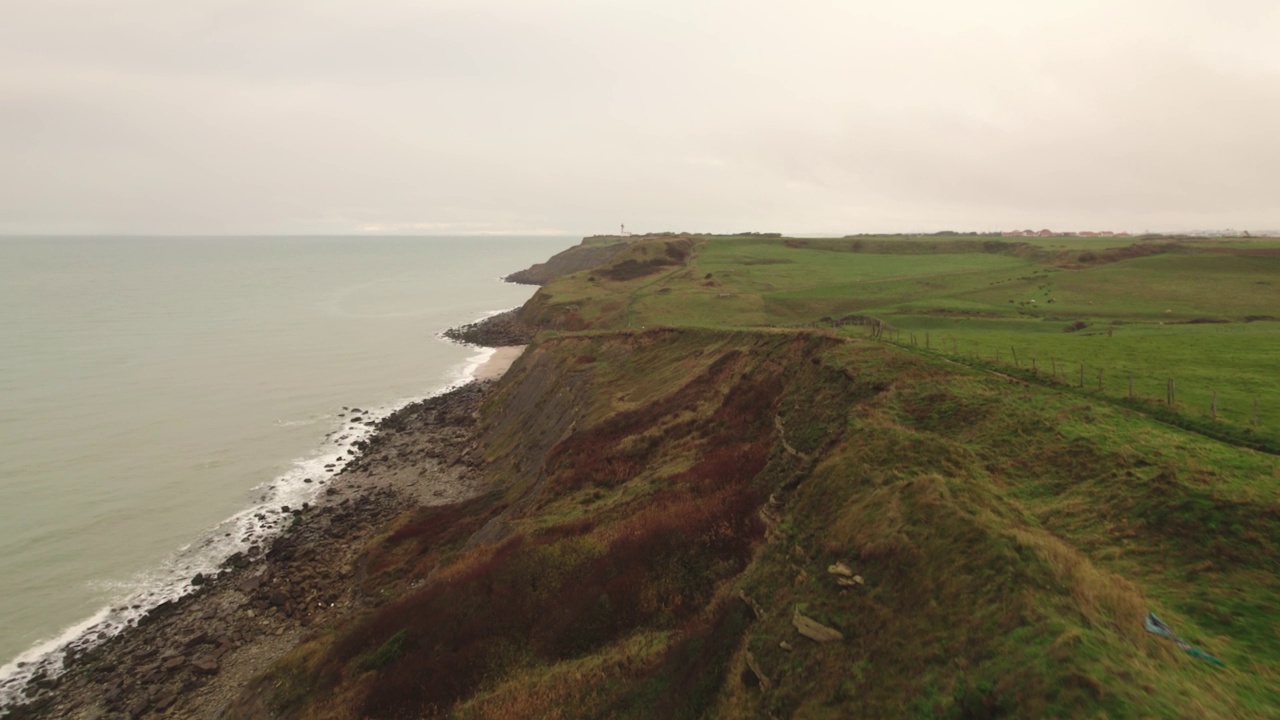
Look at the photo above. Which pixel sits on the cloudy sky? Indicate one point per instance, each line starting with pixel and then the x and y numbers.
pixel 471 116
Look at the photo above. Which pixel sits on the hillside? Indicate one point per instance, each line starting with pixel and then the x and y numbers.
pixel 801 522
pixel 739 477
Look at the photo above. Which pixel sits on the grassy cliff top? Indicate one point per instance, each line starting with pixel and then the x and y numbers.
pixel 767 477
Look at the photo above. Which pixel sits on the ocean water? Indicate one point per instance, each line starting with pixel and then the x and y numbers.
pixel 158 394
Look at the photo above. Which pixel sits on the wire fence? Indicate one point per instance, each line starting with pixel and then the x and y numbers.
pixel 1224 412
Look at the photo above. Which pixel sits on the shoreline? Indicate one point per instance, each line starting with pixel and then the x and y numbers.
pixel 363 491
pixel 499 362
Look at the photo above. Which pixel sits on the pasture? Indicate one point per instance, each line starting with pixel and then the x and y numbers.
pixel 1201 313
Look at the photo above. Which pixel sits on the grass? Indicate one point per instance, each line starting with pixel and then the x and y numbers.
pixel 1237 361
pixel 1153 311
pixel 688 448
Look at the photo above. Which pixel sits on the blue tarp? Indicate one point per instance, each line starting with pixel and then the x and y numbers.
pixel 1159 627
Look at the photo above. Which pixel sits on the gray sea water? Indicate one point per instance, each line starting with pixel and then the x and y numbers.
pixel 157 393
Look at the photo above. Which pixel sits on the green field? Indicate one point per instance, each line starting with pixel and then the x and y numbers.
pixel 1151 310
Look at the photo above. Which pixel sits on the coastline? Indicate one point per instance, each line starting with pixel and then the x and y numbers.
pixel 190 656
pixel 499 362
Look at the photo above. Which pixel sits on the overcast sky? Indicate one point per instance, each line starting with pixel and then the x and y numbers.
pixel 446 117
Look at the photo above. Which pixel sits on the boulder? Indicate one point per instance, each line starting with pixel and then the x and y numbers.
pixel 814 630
pixel 197 639
pixel 205 665
pixel 840 569
pixel 250 584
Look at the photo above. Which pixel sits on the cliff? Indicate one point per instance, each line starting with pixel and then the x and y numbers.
pixel 590 253
pixel 692 523
pixel 687 521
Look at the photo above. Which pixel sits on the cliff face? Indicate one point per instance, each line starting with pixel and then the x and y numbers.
pixel 694 523
pixel 588 255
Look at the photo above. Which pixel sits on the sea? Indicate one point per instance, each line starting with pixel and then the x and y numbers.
pixel 162 397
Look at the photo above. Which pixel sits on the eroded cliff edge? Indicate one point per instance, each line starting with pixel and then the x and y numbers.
pixel 701 523
pixel 766 522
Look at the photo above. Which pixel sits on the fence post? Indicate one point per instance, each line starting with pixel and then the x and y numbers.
pixel 1081 374
pixel 1015 356
pixel 1054 363
pixel 1033 366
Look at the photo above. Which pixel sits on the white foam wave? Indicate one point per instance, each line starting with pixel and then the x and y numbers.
pixel 247 532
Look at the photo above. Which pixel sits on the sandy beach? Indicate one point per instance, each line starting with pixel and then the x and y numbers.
pixel 498 364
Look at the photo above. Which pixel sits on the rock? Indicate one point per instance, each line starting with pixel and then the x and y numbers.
pixel 250 584
pixel 755 607
pixel 166 700
pixel 174 663
pixel 761 679
pixel 785 646
pixel 814 630
pixel 840 569
pixel 205 665
pixel 851 581
pixel 137 707
pixel 199 579
pixel 198 639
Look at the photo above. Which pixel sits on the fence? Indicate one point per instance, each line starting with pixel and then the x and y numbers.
pixel 1222 412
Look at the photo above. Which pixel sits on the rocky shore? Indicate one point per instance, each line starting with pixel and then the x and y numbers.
pixel 498 330
pixel 191 658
